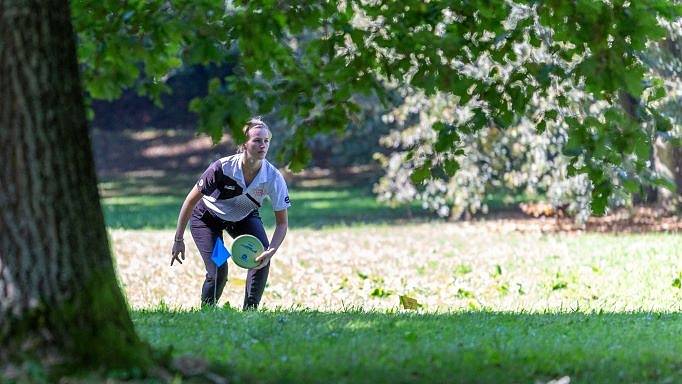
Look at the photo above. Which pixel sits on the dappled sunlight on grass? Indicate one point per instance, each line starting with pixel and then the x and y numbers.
pixel 498 300
pixel 445 266
pixel 311 208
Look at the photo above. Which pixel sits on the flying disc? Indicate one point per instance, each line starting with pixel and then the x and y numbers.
pixel 245 249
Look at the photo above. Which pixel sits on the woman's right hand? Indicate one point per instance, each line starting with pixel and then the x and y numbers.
pixel 178 249
pixel 188 205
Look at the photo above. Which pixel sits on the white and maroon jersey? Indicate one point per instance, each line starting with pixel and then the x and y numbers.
pixel 227 195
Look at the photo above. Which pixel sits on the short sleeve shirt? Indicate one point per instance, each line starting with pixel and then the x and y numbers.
pixel 227 195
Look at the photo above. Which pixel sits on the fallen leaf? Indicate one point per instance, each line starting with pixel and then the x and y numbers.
pixel 408 302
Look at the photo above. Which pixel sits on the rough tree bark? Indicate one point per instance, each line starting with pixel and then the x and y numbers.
pixel 59 295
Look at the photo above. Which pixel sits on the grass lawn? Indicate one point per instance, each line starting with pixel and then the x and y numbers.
pixel 500 301
pixel 496 307
pixel 313 208
pixel 471 347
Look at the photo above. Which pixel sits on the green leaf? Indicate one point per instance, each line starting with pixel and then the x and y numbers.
pixel 663 124
pixel 504 118
pixel 542 126
pixel 214 86
pixel 420 174
pixel 665 183
pixel 573 147
pixel 300 157
pixel 195 105
pixel 380 293
pixel 551 114
pixel 631 185
pixel 451 166
pixel 600 196
pixel 534 40
pixel 447 138
pixel 633 79
pixel 479 120
pixel 559 285
pixel 657 93
pixel 571 170
pixel 519 100
pixel 642 150
pixel 462 269
pixel 439 126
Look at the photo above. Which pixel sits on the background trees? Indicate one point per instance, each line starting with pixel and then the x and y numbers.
pixel 521 160
pixel 313 63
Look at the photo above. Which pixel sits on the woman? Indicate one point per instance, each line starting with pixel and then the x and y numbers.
pixel 227 197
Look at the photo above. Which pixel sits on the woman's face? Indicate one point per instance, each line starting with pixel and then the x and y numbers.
pixel 256 147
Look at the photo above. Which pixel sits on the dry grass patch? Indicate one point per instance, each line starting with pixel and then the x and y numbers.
pixel 445 266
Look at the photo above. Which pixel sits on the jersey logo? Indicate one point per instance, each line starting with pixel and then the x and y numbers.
pixel 201 182
pixel 229 188
pixel 286 199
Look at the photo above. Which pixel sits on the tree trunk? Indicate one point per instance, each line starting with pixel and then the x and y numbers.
pixel 668 162
pixel 59 295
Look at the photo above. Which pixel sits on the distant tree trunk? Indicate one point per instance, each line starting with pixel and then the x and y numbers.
pixel 59 295
pixel 668 162
pixel 668 157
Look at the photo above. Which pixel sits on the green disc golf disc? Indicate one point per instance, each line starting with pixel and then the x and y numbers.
pixel 245 249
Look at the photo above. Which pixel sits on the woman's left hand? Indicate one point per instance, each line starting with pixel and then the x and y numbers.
pixel 264 258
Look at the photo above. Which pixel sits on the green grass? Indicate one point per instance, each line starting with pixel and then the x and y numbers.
pixel 584 282
pixel 302 346
pixel 311 208
pixel 609 306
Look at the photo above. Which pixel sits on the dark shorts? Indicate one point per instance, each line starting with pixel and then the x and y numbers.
pixel 206 228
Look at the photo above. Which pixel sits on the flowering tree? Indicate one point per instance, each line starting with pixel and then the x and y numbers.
pixel 535 155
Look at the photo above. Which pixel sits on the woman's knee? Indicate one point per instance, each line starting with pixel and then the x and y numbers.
pixel 220 274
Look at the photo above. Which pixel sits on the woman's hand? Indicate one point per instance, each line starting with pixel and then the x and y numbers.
pixel 265 257
pixel 188 205
pixel 178 249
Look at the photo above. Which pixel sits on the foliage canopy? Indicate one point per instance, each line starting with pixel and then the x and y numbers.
pixel 519 160
pixel 312 61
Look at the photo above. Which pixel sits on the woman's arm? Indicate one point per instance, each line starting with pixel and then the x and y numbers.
pixel 281 226
pixel 188 205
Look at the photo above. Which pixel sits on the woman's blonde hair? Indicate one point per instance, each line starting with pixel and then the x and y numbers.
pixel 254 122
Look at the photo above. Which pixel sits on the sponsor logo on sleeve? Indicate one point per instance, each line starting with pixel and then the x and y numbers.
pixel 286 200
pixel 201 182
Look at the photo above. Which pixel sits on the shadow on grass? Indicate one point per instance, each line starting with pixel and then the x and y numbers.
pixel 151 203
pixel 311 208
pixel 482 347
